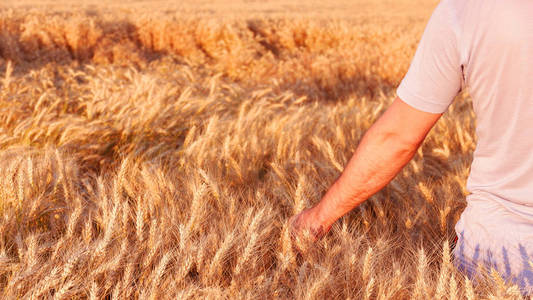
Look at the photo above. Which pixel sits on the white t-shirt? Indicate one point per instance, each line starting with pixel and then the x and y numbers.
pixel 486 45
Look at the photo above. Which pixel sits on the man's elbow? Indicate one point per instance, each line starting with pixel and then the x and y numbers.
pixel 400 142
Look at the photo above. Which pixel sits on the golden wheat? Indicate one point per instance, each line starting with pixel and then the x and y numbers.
pixel 151 150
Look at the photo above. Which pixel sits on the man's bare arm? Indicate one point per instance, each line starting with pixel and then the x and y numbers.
pixel 384 150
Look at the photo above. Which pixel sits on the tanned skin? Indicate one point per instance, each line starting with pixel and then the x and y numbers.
pixel 384 150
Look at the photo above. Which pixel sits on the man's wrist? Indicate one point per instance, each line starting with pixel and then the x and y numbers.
pixel 322 216
pixel 327 211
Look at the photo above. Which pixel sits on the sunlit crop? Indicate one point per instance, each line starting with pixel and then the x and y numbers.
pixel 158 154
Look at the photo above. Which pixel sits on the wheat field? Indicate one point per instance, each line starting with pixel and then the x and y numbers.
pixel 155 150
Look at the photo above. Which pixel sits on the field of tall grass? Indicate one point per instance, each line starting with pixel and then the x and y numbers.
pixel 152 150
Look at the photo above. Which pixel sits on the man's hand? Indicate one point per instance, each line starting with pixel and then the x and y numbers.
pixel 307 224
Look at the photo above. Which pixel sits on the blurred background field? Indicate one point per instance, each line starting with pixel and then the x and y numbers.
pixel 242 8
pixel 154 149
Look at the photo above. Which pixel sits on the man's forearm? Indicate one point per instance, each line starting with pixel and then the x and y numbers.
pixel 376 161
pixel 383 151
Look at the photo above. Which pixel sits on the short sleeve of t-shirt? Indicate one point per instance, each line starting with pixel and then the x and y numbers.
pixel 434 76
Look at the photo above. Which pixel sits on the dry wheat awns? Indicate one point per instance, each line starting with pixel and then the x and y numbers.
pixel 157 154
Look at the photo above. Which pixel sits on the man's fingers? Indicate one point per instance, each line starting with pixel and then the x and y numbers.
pixel 294 226
pixel 318 232
pixel 304 231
